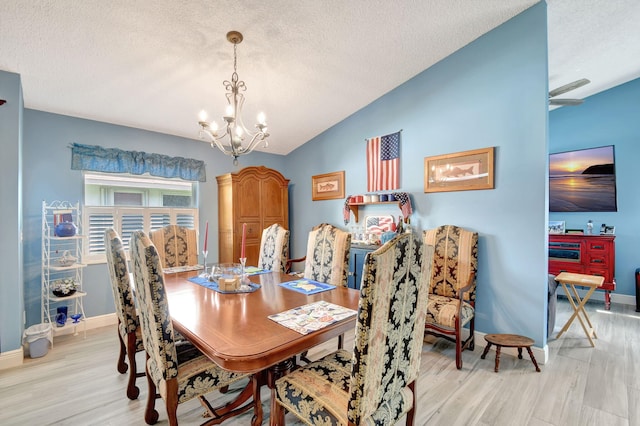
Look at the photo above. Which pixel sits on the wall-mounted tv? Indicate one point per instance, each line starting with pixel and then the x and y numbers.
pixel 583 180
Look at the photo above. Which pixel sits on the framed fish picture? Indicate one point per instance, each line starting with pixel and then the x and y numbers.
pixel 460 171
pixel 328 186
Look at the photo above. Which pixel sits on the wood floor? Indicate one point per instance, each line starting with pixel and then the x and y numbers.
pixel 76 383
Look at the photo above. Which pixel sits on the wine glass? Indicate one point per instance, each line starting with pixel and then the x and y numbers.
pixel 76 318
pixel 204 273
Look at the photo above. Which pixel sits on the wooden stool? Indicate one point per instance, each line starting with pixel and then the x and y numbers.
pixel 509 341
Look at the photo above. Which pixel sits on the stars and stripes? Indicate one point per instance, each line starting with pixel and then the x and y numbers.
pixel 383 162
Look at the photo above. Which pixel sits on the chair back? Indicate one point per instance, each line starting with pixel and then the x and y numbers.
pixel 327 257
pixel 177 245
pixel 454 260
pixel 155 321
pixel 389 330
pixel 120 282
pixel 274 248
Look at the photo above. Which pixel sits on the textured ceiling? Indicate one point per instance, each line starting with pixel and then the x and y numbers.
pixel 307 64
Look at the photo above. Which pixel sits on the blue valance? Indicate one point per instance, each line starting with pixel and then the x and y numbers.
pixel 113 160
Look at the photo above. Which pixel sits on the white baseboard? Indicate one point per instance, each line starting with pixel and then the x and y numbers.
pixel 15 358
pixel 11 359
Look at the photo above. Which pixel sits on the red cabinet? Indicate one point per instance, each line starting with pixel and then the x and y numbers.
pixel 585 254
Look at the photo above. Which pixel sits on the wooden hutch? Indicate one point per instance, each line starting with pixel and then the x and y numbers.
pixel 257 196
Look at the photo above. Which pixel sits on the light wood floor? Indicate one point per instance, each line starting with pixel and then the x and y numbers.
pixel 76 383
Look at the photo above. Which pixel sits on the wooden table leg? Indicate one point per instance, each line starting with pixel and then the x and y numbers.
pixel 498 347
pixel 533 359
pixel 486 351
pixel 520 353
pixel 274 373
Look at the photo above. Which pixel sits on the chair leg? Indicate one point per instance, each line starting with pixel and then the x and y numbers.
pixel 411 414
pixel 472 327
pixel 122 366
pixel 132 389
pixel 171 402
pixel 277 415
pixel 150 413
pixel 458 344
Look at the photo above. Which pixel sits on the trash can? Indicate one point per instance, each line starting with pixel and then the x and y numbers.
pixel 38 337
pixel 638 290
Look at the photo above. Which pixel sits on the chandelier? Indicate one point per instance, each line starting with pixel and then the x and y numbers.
pixel 231 139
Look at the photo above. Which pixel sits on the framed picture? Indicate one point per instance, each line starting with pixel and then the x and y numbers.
pixel 460 171
pixel 556 226
pixel 328 186
pixel 607 230
pixel 583 180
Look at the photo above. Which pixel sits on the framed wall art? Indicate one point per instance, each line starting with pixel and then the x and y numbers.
pixel 583 180
pixel 328 186
pixel 460 171
pixel 556 226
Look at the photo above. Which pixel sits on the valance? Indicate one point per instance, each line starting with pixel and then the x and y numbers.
pixel 113 160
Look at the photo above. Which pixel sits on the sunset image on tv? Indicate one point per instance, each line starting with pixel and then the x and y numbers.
pixel 582 181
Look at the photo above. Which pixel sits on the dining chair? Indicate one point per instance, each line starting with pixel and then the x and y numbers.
pixel 129 334
pixel 274 248
pixel 178 376
pixel 452 288
pixel 327 258
pixel 376 383
pixel 177 245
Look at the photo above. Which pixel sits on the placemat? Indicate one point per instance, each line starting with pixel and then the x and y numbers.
pixel 306 286
pixel 214 286
pixel 176 269
pixel 312 317
pixel 254 270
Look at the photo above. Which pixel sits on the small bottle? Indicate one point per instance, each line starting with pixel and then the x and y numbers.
pixel 407 226
pixel 590 227
pixel 400 225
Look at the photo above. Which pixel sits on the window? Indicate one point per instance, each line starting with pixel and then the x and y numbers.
pixel 129 203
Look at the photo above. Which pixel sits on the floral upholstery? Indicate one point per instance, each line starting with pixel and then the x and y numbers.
pixel 177 245
pixel 327 257
pixel 274 248
pixel 175 381
pixel 128 325
pixel 452 289
pixel 374 385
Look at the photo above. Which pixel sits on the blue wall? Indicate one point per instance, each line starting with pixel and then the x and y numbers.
pixel 49 177
pixel 11 298
pixel 608 118
pixel 490 93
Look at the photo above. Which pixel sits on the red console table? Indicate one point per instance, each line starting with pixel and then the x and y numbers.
pixel 585 254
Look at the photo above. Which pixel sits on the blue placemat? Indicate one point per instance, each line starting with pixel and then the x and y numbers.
pixel 254 270
pixel 204 282
pixel 306 286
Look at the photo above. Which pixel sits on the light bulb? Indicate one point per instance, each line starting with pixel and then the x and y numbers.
pixel 229 111
pixel 203 115
pixel 214 127
pixel 262 119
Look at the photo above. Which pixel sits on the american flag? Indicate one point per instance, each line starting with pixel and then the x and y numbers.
pixel 383 162
pixel 379 224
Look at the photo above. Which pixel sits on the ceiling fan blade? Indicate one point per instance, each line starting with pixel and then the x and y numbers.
pixel 565 102
pixel 568 87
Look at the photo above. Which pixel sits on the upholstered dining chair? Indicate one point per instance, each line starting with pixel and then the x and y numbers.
pixel 129 333
pixel 375 384
pixel 327 260
pixel 177 376
pixel 452 288
pixel 177 245
pixel 274 248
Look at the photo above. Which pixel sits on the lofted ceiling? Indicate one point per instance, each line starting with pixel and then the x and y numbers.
pixel 307 64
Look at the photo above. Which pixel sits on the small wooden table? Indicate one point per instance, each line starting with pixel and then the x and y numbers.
pixel 509 341
pixel 569 281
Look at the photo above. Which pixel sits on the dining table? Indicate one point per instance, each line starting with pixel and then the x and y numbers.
pixel 234 329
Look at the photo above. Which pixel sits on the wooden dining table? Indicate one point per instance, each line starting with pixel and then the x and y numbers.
pixel 234 330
